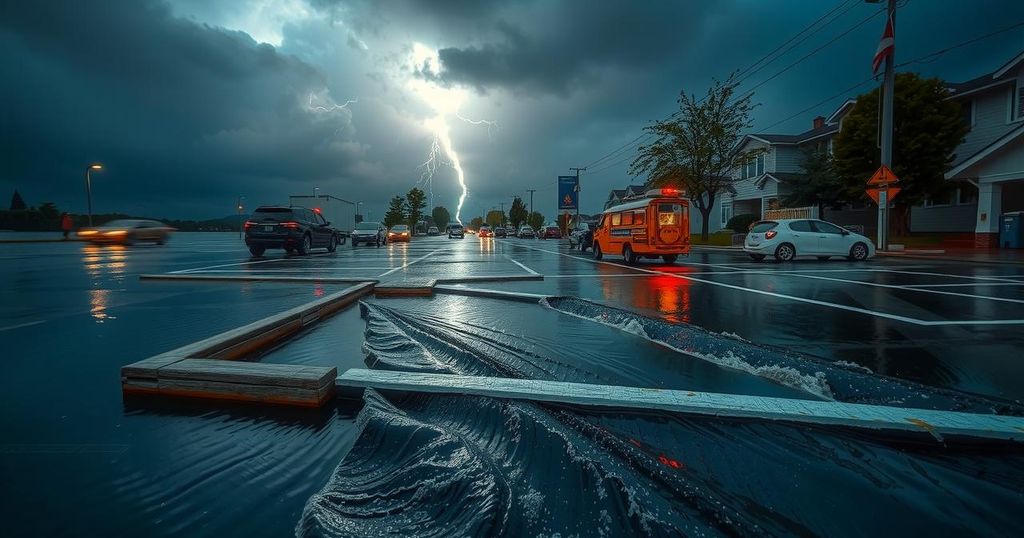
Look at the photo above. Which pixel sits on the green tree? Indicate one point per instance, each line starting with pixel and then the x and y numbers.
pixel 696 148
pixel 476 222
pixel 518 213
pixel 396 212
pixel 495 218
pixel 17 202
pixel 927 128
pixel 820 185
pixel 535 220
pixel 441 217
pixel 49 211
pixel 415 201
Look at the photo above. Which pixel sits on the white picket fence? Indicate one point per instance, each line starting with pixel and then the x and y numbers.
pixel 809 212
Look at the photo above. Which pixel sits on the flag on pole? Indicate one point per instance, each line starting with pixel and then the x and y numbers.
pixel 885 46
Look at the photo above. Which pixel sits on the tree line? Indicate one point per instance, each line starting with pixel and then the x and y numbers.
pixel 408 210
pixel 22 217
pixel 697 148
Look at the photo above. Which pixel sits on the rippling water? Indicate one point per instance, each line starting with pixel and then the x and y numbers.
pixel 440 465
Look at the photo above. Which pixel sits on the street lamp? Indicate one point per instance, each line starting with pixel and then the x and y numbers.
pixel 359 213
pixel 240 207
pixel 88 186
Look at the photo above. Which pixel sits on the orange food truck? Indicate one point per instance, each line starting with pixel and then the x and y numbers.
pixel 655 226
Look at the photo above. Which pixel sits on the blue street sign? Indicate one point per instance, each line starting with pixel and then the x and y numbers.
pixel 567 194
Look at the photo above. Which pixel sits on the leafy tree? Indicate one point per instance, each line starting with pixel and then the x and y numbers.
pixel 415 200
pixel 441 217
pixel 820 185
pixel 494 218
pixel 696 148
pixel 476 223
pixel 396 212
pixel 518 214
pixel 535 220
pixel 17 202
pixel 741 223
pixel 49 211
pixel 927 128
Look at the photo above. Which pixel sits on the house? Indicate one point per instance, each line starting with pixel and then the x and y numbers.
pixel 989 164
pixel 617 196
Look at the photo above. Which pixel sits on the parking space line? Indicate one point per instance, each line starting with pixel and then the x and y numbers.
pixel 525 268
pixel 906 288
pixel 964 284
pixel 20 325
pixel 407 264
pixel 250 262
pixel 869 312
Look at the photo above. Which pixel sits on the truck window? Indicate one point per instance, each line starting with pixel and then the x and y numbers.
pixel 639 217
pixel 616 219
pixel 669 214
pixel 627 219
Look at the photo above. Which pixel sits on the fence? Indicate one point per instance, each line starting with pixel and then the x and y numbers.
pixel 809 212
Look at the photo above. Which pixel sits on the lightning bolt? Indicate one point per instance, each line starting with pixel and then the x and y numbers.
pixel 446 102
pixel 331 108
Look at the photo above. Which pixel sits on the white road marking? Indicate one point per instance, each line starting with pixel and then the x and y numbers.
pixel 250 262
pixel 20 325
pixel 965 284
pixel 525 268
pixel 407 264
pixel 875 313
pixel 905 288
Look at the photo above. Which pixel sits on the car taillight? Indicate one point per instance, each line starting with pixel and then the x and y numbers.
pixel 290 224
pixel 249 224
pixel 770 234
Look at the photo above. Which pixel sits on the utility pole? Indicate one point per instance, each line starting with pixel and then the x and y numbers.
pixel 888 92
pixel 531 191
pixel 502 214
pixel 577 170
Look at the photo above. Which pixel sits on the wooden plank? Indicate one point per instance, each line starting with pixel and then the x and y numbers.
pixel 256 278
pixel 487 278
pixel 192 388
pixel 412 287
pixel 252 373
pixel 870 417
pixel 492 294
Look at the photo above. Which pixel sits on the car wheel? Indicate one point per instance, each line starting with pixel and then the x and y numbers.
pixel 670 258
pixel 824 258
pixel 757 257
pixel 597 251
pixel 785 253
pixel 627 254
pixel 257 251
pixel 859 252
pixel 305 246
pixel 332 244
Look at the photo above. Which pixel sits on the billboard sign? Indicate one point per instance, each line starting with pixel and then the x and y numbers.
pixel 567 194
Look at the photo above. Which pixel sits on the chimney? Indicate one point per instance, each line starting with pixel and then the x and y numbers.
pixel 819 122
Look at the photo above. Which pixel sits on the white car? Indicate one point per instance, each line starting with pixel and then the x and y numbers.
pixel 788 238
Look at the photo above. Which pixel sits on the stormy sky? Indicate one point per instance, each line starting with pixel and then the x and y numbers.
pixel 191 103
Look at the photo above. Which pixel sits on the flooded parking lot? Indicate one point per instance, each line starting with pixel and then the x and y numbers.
pixel 900 332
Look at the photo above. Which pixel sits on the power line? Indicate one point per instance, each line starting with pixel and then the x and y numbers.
pixel 962 44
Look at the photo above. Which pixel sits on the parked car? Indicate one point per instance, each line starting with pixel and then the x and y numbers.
pixel 786 239
pixel 294 229
pixel 550 232
pixel 399 232
pixel 371 233
pixel 456 230
pixel 500 232
pixel 433 231
pixel 582 237
pixel 526 232
pixel 127 231
pixel 485 231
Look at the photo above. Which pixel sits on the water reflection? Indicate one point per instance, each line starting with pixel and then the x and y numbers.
pixel 100 261
pixel 98 305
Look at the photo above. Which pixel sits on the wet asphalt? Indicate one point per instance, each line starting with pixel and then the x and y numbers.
pixel 71 314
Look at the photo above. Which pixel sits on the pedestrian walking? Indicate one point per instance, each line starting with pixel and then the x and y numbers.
pixel 66 223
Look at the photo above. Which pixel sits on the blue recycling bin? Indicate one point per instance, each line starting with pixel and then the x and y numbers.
pixel 1011 230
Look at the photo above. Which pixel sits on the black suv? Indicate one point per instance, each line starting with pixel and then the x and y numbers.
pixel 295 229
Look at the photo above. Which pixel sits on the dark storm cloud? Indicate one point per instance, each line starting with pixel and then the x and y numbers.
pixel 181 113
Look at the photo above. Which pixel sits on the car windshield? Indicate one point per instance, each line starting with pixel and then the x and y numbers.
pixel 400 228
pixel 122 223
pixel 762 227
pixel 367 226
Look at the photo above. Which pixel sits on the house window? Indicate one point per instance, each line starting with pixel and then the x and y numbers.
pixel 967 194
pixel 1016 101
pixel 727 211
pixel 967 110
pixel 944 200
pixel 760 164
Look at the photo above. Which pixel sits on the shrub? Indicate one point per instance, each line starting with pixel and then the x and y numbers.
pixel 741 223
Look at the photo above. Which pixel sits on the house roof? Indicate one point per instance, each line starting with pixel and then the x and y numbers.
pixel 805 136
pixel 985 152
pixel 616 193
pixel 1003 75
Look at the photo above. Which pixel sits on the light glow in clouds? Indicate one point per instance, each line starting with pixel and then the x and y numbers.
pixel 445 102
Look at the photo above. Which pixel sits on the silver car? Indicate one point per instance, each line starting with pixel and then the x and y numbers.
pixel 786 239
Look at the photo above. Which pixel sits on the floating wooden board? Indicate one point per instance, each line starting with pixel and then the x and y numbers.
pixel 936 423
pixel 410 287
pixel 487 278
pixel 257 278
pixel 492 294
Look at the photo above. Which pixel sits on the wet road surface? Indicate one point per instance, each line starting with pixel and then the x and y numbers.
pixel 72 314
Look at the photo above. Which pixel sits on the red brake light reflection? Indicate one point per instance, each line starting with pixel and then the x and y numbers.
pixel 249 224
pixel 290 224
pixel 770 234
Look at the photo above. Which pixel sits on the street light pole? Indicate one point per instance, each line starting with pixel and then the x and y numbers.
pixel 888 92
pixel 88 186
pixel 240 197
pixel 577 170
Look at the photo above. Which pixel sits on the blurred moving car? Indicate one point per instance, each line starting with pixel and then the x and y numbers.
pixel 127 231
pixel 433 231
pixel 788 238
pixel 550 232
pixel 582 237
pixel 399 232
pixel 526 232
pixel 371 233
pixel 456 230
pixel 294 229
pixel 500 232
pixel 485 231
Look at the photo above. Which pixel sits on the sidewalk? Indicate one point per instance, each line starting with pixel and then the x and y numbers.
pixel 1000 256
